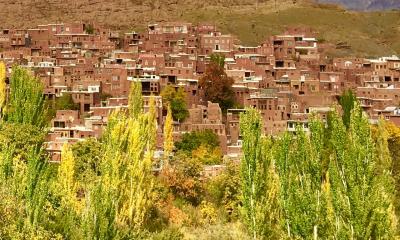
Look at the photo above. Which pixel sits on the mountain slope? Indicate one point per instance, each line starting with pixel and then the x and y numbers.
pixel 367 4
pixel 367 33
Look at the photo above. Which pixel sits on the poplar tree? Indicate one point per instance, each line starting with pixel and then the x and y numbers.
pixel 26 174
pixel 26 103
pixel 361 183
pixel 299 164
pixel 65 189
pixel 347 101
pixel 118 203
pixel 260 183
pixel 135 104
pixel 3 87
pixel 168 136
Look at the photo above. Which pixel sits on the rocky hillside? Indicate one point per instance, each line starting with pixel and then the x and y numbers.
pixel 116 13
pixel 365 33
pixel 367 4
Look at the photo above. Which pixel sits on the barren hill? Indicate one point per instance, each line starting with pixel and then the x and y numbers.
pixel 367 4
pixel 368 34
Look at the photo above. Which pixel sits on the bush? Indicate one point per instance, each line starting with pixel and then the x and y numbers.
pixel 193 140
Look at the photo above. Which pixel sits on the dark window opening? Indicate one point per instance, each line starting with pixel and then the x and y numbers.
pixel 86 107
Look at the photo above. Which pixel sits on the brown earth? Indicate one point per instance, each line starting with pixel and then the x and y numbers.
pixel 365 33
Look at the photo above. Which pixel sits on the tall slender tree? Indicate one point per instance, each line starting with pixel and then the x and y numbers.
pixel 362 189
pixel 26 103
pixel 168 136
pixel 3 87
pixel 260 183
pixel 135 99
pixel 347 101
pixel 118 203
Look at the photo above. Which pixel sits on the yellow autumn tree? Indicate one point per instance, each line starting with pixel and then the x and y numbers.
pixel 135 104
pixel 168 136
pixel 119 202
pixel 66 185
pixel 2 86
pixel 70 208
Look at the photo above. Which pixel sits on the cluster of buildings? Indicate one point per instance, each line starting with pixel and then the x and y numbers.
pixel 287 77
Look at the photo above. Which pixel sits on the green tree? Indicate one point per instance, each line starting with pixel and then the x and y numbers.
pixel 394 147
pixel 87 156
pixel 176 100
pixel 300 167
pixel 21 136
pixel 224 190
pixel 193 140
pixel 26 103
pixel 218 59
pixel 65 102
pixel 25 170
pixel 260 182
pixel 362 186
pixel 347 101
pixel 119 201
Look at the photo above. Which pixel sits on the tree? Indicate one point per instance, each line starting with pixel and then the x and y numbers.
pixel 176 100
pixel 218 59
pixel 65 188
pixel 65 102
pixel 361 189
pixel 224 190
pixel 183 178
pixel 3 87
pixel 135 104
pixel 260 183
pixel 168 135
pixel 26 103
pixel 193 140
pixel 89 29
pixel 394 147
pixel 300 164
pixel 21 136
pixel 347 101
pixel 119 201
pixel 25 170
pixel 207 155
pixel 332 183
pixel 87 156
pixel 217 86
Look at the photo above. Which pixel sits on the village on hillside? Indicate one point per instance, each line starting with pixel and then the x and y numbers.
pixel 287 78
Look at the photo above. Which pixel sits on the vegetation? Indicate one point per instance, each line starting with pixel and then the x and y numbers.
pixel 345 193
pixel 193 140
pixel 26 103
pixel 347 101
pixel 2 86
pixel 217 86
pixel 65 102
pixel 176 100
pixel 168 135
pixel 334 182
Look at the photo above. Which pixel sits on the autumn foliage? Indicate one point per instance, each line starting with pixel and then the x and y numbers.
pixel 217 86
